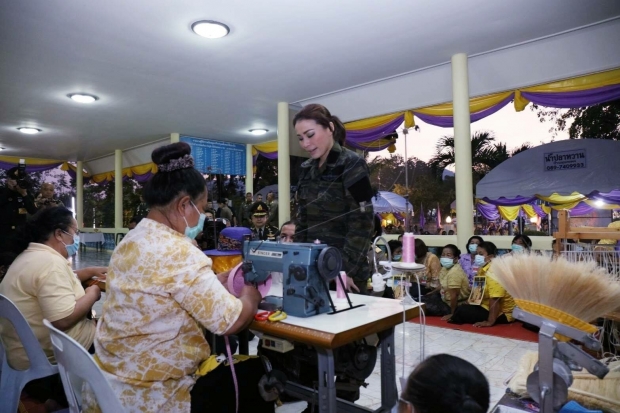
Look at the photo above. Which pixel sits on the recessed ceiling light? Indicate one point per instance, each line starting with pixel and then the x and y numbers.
pixel 83 97
pixel 258 132
pixel 29 131
pixel 210 29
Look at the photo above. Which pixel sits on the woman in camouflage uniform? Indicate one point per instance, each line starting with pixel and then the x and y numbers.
pixel 334 193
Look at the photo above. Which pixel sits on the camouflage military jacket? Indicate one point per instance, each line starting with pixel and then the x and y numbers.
pixel 328 207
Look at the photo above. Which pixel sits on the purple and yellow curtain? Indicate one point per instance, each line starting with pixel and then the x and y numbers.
pixel 140 173
pixel 578 204
pixel 32 164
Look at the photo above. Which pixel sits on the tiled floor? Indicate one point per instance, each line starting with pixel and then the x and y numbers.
pixel 496 357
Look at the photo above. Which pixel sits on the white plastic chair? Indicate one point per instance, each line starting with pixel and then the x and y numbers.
pixel 13 381
pixel 73 360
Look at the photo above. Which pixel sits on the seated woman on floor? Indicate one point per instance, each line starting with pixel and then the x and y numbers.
pixel 489 303
pixel 41 283
pixel 444 384
pixel 429 278
pixel 454 286
pixel 467 258
pixel 161 294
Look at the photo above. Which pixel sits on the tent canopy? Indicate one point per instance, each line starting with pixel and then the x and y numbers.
pixel 563 167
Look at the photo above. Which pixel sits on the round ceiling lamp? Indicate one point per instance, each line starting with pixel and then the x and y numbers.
pixel 83 97
pixel 258 132
pixel 210 29
pixel 29 131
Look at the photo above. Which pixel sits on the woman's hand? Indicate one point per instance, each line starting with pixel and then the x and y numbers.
pixel 86 274
pixel 483 324
pixel 223 277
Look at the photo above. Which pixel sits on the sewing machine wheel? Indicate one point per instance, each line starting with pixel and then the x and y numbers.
pixel 236 281
pixel 560 389
pixel 329 263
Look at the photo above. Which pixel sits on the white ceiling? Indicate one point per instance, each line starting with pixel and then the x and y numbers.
pixel 154 76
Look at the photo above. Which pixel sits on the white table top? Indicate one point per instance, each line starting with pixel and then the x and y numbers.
pixel 91 237
pixel 375 309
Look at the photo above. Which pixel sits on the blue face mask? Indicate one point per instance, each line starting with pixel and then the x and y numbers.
pixel 72 249
pixel 192 232
pixel 396 257
pixel 446 262
pixel 479 260
pixel 517 248
pixel 472 248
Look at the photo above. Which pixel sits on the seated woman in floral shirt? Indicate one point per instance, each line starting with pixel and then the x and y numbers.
pixel 161 294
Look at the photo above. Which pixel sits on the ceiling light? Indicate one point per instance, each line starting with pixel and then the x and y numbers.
pixel 258 132
pixel 599 203
pixel 83 97
pixel 29 131
pixel 210 29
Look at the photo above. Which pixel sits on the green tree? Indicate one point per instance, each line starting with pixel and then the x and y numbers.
pixel 600 121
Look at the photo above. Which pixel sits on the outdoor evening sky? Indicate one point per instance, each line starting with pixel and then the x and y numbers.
pixel 510 127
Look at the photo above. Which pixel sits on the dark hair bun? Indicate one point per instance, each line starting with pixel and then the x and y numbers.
pixel 165 154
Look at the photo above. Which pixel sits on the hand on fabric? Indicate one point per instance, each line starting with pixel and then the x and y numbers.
pixel 86 274
pixel 223 277
pixel 483 324
pixel 446 317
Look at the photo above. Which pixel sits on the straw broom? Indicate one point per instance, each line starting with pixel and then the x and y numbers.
pixel 572 293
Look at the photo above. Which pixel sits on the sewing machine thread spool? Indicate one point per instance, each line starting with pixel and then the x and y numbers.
pixel 236 281
pixel 408 247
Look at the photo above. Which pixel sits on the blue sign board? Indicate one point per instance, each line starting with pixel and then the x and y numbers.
pixel 217 157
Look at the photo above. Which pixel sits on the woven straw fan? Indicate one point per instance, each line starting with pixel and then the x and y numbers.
pixel 572 293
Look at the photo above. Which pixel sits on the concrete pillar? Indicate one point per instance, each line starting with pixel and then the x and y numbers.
pixel 284 164
pixel 79 189
pixel 249 170
pixel 462 148
pixel 174 137
pixel 118 189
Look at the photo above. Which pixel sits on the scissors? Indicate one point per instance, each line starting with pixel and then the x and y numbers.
pixel 273 316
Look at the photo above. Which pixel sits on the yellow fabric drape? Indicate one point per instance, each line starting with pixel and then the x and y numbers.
pixel 66 166
pixel 475 105
pixel 128 172
pixel 546 209
pixel 371 122
pixel 569 205
pixel 611 77
pixel 509 213
pixel 267 147
pixel 529 210
pixel 562 199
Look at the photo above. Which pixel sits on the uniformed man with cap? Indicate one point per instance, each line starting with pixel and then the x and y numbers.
pixel 260 229
pixel 15 205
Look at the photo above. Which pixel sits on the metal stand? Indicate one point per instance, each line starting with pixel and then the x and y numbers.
pixel 331 302
pixel 548 384
pixel 327 401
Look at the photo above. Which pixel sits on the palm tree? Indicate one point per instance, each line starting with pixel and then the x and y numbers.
pixel 482 151
pixel 486 153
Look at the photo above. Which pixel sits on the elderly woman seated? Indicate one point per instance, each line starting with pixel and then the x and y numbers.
pixel 42 285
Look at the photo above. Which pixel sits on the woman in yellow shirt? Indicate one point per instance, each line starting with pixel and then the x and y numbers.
pixel 495 305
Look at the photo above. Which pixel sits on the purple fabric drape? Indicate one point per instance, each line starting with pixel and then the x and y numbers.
pixel 501 201
pixel 371 135
pixel 539 211
pixel 268 155
pixel 489 211
pixel 581 209
pixel 30 168
pixel 612 197
pixel 574 99
pixel 144 177
pixel 448 121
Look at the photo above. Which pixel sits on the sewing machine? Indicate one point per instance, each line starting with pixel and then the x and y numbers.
pixel 307 269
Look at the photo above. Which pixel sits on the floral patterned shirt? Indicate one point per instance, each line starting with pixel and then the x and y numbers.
pixel 161 292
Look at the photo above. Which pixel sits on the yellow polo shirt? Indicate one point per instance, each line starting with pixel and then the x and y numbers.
pixel 42 285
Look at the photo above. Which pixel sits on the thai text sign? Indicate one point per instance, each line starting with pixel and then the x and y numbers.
pixel 565 160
